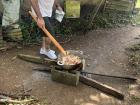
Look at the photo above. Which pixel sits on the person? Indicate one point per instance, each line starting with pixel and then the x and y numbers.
pixel 43 10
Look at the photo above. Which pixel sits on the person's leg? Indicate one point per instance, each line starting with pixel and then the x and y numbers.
pixel 50 28
pixel 43 42
pixel 46 41
pixel 1 37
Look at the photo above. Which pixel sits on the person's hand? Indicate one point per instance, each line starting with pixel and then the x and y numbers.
pixel 40 23
pixel 59 8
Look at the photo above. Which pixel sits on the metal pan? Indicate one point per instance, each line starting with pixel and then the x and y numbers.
pixel 70 67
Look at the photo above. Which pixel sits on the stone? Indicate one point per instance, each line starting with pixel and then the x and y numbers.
pixel 65 77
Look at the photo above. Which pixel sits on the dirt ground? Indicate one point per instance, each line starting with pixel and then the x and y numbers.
pixel 104 51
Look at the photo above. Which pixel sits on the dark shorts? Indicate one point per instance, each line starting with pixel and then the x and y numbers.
pixel 49 27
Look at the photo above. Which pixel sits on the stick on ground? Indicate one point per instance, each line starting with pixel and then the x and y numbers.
pixel 102 87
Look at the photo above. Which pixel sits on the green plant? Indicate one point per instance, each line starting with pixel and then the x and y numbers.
pixel 109 19
pixel 69 26
pixel 30 32
pixel 133 53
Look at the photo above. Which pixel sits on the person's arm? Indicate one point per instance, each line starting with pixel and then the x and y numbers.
pixel 58 6
pixel 40 20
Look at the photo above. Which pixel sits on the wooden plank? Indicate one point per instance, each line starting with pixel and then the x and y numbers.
pixel 102 87
pixel 37 59
pixel 113 76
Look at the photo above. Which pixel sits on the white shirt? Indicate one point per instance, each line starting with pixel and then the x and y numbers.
pixel 46 7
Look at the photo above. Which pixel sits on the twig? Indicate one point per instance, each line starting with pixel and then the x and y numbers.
pixel 4 48
pixel 16 101
pixel 96 11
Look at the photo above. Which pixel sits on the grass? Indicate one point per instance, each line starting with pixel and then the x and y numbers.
pixel 134 56
pixel 135 100
pixel 136 19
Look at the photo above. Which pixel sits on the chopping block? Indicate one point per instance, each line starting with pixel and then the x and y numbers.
pixel 65 77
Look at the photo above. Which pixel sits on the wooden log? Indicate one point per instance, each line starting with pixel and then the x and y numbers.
pixel 102 87
pixel 37 59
